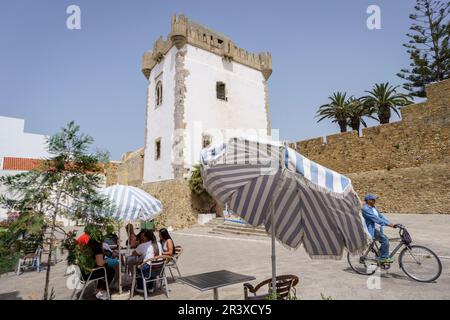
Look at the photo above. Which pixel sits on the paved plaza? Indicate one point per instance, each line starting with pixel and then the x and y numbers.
pixel 204 252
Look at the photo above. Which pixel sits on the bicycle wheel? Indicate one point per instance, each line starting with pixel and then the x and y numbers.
pixel 420 263
pixel 365 265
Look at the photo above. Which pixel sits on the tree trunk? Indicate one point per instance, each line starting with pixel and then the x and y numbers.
pixel 343 126
pixel 355 123
pixel 52 234
pixel 49 260
pixel 435 40
pixel 384 114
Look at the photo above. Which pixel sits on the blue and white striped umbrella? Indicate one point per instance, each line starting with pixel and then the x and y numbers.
pixel 309 203
pixel 131 203
pixel 297 200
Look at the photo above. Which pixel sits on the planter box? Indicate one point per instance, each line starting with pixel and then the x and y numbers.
pixel 205 217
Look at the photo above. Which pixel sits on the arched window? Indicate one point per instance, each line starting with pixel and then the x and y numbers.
pixel 159 93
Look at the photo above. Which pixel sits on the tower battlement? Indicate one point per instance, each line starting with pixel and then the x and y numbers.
pixel 184 32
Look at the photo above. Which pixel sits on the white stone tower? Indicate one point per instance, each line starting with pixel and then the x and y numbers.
pixel 200 84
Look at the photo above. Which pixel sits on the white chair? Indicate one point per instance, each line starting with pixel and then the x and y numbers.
pixel 85 283
pixel 157 268
pixel 30 260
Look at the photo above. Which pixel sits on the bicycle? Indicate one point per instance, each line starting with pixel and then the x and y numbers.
pixel 417 262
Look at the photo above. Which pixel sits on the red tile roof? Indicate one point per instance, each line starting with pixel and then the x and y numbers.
pixel 27 164
pixel 20 164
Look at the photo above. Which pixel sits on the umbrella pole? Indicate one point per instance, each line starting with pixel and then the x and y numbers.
pixel 274 271
pixel 120 260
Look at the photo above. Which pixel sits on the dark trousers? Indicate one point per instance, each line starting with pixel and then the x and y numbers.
pixel 148 276
pixel 110 272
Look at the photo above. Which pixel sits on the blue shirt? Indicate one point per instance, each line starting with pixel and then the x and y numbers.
pixel 373 217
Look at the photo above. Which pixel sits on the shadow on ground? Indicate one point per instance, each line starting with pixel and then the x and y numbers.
pixel 14 295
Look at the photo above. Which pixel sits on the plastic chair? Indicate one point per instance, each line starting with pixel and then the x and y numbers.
pixel 30 260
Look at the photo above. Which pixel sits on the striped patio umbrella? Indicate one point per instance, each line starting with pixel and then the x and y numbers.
pixel 297 200
pixel 129 204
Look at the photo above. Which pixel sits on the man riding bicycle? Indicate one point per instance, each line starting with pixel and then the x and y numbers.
pixel 375 221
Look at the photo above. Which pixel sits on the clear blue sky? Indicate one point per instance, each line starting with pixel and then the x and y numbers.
pixel 50 75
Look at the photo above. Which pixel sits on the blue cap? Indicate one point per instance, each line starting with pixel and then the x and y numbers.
pixel 370 197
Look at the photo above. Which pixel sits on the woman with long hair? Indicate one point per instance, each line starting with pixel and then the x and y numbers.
pixel 132 238
pixel 167 244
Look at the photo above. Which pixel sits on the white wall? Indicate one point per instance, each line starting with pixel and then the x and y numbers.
pixel 243 113
pixel 160 121
pixel 203 112
pixel 14 142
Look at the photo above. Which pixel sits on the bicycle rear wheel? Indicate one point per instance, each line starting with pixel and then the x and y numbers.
pixel 420 263
pixel 365 265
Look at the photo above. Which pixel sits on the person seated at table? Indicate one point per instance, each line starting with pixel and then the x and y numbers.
pixel 138 254
pixel 167 244
pixel 152 251
pixel 98 255
pixel 140 237
pixel 132 238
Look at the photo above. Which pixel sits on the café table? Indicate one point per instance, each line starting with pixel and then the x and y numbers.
pixel 214 280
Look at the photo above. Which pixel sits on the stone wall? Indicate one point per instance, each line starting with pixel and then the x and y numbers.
pixel 175 196
pixel 111 173
pixel 405 162
pixel 423 189
pixel 128 171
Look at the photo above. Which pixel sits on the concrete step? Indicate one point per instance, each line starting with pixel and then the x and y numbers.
pixel 223 227
pixel 236 232
pixel 239 228
pixel 223 222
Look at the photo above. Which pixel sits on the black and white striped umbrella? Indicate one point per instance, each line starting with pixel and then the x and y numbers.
pixel 297 200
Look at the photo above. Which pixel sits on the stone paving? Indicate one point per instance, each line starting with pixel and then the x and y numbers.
pixel 205 252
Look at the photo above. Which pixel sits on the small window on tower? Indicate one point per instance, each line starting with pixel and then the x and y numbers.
pixel 221 91
pixel 206 141
pixel 158 149
pixel 159 93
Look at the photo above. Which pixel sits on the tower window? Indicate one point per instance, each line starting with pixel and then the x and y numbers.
pixel 206 141
pixel 159 93
pixel 158 149
pixel 221 91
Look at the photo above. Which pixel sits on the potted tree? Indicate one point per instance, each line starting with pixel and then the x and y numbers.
pixel 202 201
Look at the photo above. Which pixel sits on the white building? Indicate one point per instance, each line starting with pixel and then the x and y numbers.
pixel 15 142
pixel 201 89
pixel 18 149
pixel 21 151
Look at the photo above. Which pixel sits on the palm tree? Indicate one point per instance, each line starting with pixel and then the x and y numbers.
pixel 383 98
pixel 336 109
pixel 356 111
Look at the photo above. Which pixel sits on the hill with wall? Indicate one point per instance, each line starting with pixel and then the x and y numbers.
pixel 406 163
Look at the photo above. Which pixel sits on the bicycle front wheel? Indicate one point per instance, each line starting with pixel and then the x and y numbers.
pixel 420 263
